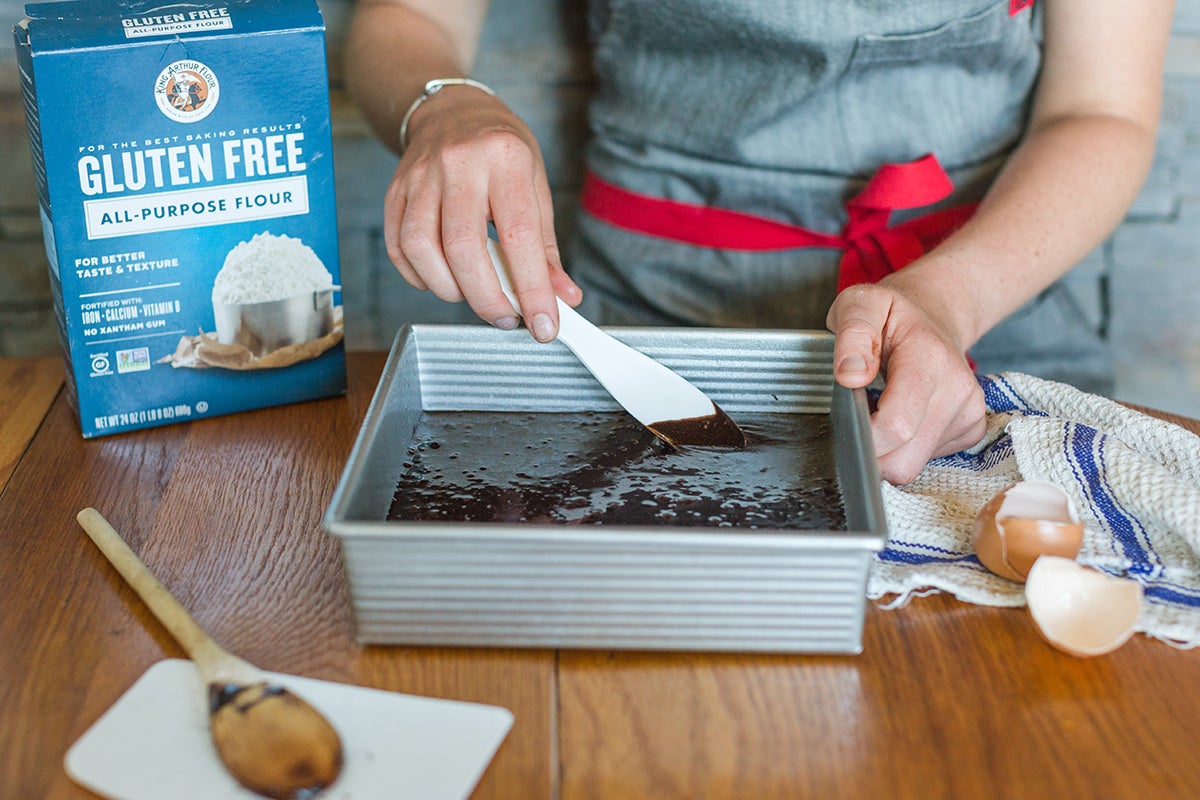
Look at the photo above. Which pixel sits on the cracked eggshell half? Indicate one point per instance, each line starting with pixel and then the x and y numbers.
pixel 1081 610
pixel 1027 520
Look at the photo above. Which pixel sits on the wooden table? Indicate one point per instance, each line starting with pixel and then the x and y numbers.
pixel 947 700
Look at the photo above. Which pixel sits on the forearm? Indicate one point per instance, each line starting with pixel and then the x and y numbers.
pixel 468 160
pixel 393 48
pixel 1064 190
pixel 1084 156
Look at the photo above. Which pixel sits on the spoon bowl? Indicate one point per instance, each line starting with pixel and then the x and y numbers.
pixel 271 740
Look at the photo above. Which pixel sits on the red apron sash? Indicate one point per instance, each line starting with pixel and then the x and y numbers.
pixel 870 248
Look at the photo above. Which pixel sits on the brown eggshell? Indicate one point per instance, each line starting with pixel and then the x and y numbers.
pixel 1081 610
pixel 1022 522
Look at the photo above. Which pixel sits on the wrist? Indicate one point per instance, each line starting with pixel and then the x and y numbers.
pixel 431 89
pixel 948 303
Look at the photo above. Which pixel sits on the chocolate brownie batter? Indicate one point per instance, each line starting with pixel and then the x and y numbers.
pixel 605 468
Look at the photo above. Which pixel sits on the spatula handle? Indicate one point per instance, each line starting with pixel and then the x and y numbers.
pixel 501 268
pixel 199 646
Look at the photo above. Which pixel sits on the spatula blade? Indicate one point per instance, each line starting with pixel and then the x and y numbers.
pixel 669 405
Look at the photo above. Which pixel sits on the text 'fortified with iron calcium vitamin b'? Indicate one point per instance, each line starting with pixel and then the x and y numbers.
pixel 184 161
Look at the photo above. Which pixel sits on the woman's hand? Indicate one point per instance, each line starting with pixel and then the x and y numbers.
pixel 469 161
pixel 931 403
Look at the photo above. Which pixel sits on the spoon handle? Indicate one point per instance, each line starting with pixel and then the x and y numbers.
pixel 209 656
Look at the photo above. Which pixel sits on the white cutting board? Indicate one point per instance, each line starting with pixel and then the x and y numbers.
pixel 154 742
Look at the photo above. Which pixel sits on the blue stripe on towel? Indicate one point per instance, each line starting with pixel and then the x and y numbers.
pixel 1172 593
pixel 903 553
pixel 999 395
pixel 1085 449
pixel 987 458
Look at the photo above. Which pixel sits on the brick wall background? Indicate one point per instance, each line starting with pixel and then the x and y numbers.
pixel 534 53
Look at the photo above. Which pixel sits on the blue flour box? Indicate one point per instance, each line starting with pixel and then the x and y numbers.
pixel 185 182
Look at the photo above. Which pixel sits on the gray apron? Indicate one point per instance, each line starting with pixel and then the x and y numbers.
pixel 784 110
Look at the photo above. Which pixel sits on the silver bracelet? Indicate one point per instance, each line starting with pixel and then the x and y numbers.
pixel 431 88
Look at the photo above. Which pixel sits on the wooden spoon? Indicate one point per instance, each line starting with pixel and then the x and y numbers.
pixel 272 741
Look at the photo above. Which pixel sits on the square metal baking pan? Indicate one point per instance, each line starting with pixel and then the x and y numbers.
pixel 608 587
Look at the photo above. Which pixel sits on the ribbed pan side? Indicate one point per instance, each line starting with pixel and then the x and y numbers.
pixel 527 594
pixel 481 369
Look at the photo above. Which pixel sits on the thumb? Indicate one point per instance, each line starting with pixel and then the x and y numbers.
pixel 857 324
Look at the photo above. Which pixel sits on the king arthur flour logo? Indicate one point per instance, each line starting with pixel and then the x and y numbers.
pixel 187 91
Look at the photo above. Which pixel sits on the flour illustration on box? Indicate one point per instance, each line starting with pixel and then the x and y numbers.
pixel 188 206
pixel 273 304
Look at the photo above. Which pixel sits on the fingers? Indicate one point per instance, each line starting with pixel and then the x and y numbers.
pixel 466 261
pixel 561 283
pixel 521 232
pixel 436 212
pixel 395 206
pixel 926 410
pixel 931 404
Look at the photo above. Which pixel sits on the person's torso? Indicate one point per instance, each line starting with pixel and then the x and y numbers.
pixel 750 104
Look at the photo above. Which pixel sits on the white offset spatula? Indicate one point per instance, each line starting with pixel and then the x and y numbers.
pixel 668 405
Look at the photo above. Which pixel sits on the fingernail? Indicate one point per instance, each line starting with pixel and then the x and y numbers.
pixel 572 294
pixel 506 323
pixel 853 365
pixel 543 328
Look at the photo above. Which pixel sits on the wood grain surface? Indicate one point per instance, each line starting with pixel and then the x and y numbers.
pixel 226 512
pixel 27 387
pixel 947 700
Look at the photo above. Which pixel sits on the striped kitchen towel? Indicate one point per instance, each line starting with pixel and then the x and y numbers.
pixel 1134 479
